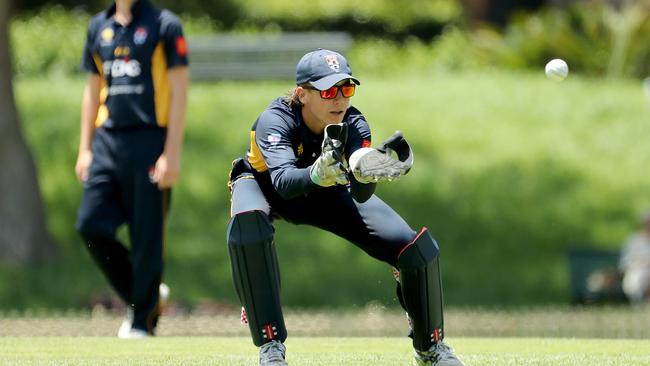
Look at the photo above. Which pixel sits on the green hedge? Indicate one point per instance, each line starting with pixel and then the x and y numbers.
pixel 511 170
pixel 51 41
pixel 594 40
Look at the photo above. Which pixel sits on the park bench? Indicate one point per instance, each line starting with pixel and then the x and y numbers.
pixel 258 56
pixel 594 276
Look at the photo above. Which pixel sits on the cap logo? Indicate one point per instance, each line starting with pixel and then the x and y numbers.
pixel 333 62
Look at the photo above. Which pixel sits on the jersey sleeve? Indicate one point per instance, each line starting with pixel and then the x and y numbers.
pixel 273 138
pixel 171 33
pixel 88 63
pixel 358 132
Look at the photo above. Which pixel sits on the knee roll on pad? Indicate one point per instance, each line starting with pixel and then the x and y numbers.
pixel 421 287
pixel 256 274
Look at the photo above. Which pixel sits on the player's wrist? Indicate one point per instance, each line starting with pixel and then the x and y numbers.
pixel 313 175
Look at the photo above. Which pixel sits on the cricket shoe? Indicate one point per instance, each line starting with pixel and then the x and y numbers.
pixel 125 331
pixel 440 354
pixel 272 354
pixel 125 327
pixel 134 333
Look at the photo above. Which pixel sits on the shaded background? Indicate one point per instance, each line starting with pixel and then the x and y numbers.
pixel 512 170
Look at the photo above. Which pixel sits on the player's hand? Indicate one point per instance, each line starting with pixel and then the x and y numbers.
pixel 166 171
pixel 370 165
pixel 83 165
pixel 329 169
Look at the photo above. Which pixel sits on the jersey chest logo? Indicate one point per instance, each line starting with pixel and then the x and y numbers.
pixel 300 150
pixel 140 35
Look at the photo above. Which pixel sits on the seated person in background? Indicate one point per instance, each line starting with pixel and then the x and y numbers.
pixel 635 263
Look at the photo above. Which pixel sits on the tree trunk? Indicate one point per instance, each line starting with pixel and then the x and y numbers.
pixel 23 234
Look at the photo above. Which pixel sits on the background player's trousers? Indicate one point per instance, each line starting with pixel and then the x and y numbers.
pixel 119 191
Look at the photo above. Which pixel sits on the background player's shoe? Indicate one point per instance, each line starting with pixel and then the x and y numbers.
pixel 135 334
pixel 272 354
pixel 440 354
pixel 125 328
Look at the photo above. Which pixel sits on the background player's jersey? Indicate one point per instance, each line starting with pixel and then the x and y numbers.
pixel 282 146
pixel 132 62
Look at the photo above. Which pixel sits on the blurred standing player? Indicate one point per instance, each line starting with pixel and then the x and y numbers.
pixel 132 124
pixel 296 170
pixel 635 263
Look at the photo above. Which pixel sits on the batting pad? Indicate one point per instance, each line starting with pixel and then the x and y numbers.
pixel 256 274
pixel 422 289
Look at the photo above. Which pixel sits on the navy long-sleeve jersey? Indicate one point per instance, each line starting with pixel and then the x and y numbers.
pixel 282 148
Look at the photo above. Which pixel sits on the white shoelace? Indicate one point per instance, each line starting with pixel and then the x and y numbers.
pixel 273 351
pixel 438 352
pixel 444 352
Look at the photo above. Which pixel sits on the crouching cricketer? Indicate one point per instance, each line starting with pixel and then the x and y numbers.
pixel 310 162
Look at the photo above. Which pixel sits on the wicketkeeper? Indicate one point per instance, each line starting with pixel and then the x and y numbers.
pixel 311 162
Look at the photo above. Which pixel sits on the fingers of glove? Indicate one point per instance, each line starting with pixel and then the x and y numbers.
pixel 327 158
pixel 337 173
pixel 319 176
pixel 331 144
pixel 328 171
pixel 388 170
pixel 333 179
pixel 342 179
pixel 384 173
pixel 335 158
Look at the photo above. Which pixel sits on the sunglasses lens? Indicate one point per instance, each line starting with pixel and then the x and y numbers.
pixel 348 90
pixel 329 93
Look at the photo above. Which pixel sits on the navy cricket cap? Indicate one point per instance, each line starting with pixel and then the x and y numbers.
pixel 322 69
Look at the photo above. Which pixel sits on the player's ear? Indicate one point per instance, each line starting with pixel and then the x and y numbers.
pixel 301 93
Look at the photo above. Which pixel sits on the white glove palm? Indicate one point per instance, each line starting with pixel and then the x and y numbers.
pixel 370 165
pixel 329 169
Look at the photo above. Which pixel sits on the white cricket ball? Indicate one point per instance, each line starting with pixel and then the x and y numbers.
pixel 556 69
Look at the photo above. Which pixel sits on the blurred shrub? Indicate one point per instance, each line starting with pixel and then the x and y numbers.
pixel 420 35
pixel 593 38
pixel 379 18
pixel 388 18
pixel 52 40
pixel 222 12
pixel 453 50
pixel 49 41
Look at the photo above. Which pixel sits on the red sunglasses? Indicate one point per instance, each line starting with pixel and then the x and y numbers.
pixel 347 90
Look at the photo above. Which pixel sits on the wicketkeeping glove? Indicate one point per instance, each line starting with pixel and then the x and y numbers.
pixel 330 168
pixel 378 165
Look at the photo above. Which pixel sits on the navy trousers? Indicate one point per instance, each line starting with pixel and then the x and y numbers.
pixel 373 226
pixel 119 191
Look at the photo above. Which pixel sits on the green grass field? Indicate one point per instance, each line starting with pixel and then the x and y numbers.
pixel 371 336
pixel 313 351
